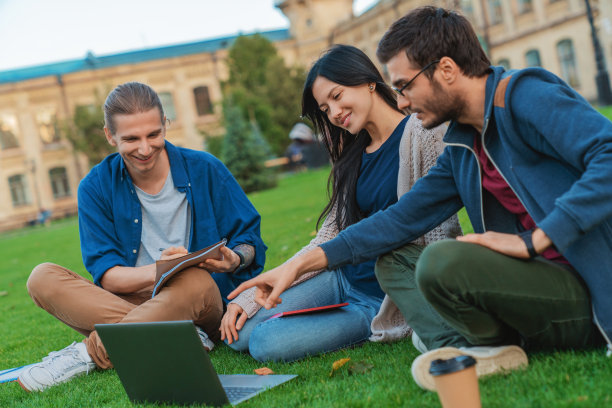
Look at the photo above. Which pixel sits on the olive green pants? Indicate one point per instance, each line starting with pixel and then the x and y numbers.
pixel 459 294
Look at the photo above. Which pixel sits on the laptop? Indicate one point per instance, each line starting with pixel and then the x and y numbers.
pixel 166 362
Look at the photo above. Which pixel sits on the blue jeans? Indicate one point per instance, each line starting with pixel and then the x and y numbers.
pixel 295 337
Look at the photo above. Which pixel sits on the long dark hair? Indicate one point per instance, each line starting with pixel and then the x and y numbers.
pixel 348 66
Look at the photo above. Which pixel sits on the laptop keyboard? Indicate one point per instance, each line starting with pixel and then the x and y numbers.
pixel 236 393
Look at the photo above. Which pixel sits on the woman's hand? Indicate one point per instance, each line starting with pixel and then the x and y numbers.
pixel 271 284
pixel 229 325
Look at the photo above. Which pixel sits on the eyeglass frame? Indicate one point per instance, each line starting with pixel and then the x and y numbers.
pixel 407 84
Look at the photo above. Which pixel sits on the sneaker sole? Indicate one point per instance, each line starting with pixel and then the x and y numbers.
pixel 507 359
pixel 421 364
pixel 23 386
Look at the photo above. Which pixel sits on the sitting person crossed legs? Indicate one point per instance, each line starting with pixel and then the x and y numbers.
pixel 149 196
pixel 536 184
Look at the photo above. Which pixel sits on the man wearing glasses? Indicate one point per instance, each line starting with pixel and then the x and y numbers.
pixel 530 160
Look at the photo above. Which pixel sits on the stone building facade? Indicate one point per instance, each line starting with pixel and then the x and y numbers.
pixel 39 170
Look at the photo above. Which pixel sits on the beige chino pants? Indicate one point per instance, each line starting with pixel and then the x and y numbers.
pixel 77 302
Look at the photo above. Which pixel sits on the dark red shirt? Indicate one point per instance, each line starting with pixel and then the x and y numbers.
pixel 494 183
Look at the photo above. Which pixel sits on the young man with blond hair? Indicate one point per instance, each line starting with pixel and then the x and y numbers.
pixel 151 200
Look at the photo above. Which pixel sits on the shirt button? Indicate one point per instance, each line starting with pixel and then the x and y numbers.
pixel 136 221
pixel 134 251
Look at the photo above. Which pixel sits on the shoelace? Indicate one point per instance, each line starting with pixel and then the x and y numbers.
pixel 57 362
pixel 206 341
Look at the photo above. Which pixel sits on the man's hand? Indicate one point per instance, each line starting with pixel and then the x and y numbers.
pixel 271 284
pixel 509 244
pixel 227 264
pixel 229 326
pixel 172 253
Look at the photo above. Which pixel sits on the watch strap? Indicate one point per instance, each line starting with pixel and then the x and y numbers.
pixel 242 262
pixel 526 237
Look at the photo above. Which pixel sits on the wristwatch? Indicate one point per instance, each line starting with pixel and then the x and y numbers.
pixel 526 237
pixel 242 262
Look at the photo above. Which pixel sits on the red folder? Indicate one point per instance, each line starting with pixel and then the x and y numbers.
pixel 310 310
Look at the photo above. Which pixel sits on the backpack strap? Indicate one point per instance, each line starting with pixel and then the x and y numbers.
pixel 499 101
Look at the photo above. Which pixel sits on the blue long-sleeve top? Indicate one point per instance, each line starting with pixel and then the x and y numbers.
pixel 555 152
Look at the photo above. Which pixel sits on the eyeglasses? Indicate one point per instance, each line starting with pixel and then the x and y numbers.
pixel 407 84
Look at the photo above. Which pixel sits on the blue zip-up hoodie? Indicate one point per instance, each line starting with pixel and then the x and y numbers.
pixel 110 215
pixel 555 152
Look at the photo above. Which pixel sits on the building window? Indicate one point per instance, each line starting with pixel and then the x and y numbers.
pixel 567 60
pixel 8 132
pixel 202 100
pixel 19 191
pixel 504 62
pixel 168 105
pixel 495 12
pixel 46 120
pixel 467 8
pixel 532 58
pixel 524 6
pixel 59 182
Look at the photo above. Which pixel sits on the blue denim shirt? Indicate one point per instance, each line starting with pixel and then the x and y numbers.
pixel 555 152
pixel 110 217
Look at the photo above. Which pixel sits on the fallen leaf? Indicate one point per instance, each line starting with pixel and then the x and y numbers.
pixel 583 398
pixel 337 364
pixel 360 367
pixel 313 233
pixel 3 293
pixel 263 371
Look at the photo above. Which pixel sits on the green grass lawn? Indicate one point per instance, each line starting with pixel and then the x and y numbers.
pixel 289 213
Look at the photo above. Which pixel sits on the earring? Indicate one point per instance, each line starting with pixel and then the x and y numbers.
pixel 371 87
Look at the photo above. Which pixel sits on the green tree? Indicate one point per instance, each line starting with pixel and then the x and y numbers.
pixel 264 88
pixel 85 130
pixel 244 152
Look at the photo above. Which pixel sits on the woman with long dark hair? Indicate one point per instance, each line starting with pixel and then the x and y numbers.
pixel 355 112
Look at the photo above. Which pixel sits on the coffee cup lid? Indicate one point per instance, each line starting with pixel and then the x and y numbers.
pixel 441 367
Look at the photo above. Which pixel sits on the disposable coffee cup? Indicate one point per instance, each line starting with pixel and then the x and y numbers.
pixel 456 382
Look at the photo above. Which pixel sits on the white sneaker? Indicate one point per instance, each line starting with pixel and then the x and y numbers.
pixel 58 367
pixel 206 342
pixel 489 360
pixel 418 343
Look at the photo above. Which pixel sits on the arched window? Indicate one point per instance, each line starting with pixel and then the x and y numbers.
pixel 567 61
pixel 524 6
pixel 467 8
pixel 202 100
pixel 19 191
pixel 532 58
pixel 504 62
pixel 8 131
pixel 48 128
pixel 59 182
pixel 495 12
